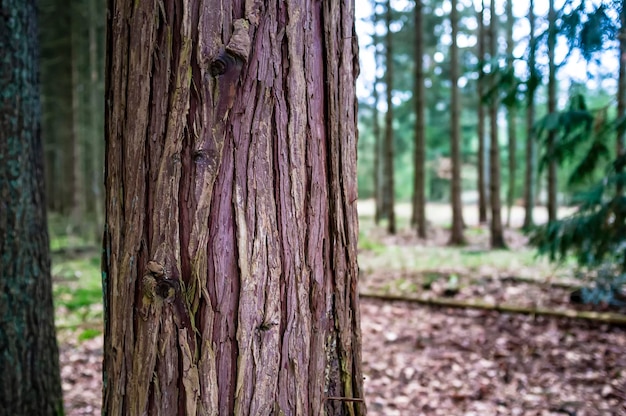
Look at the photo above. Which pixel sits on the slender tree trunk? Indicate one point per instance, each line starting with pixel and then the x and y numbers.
pixel 77 139
pixel 95 195
pixel 497 236
pixel 379 194
pixel 230 256
pixel 456 235
pixel 419 196
pixel 388 151
pixel 29 381
pixel 482 188
pixel 552 168
pixel 511 116
pixel 621 92
pixel 529 182
pixel 56 88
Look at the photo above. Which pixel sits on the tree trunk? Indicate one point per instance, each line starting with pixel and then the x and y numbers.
pixel 456 235
pixel 230 266
pixel 29 381
pixel 482 188
pixel 77 138
pixel 388 148
pixel 621 92
pixel 529 183
pixel 95 203
pixel 497 236
pixel 56 86
pixel 511 116
pixel 419 197
pixel 379 194
pixel 552 181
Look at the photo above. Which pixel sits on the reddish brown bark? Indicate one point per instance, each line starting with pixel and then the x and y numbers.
pixel 230 246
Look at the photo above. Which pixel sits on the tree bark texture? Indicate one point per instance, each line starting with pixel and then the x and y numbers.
pixel 482 188
pixel 529 183
pixel 552 168
pixel 497 234
pixel 388 144
pixel 456 236
pixel 419 158
pixel 230 262
pixel 29 378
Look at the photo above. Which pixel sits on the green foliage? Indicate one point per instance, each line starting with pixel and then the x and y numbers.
pixel 596 233
pixel 569 129
pixel 88 334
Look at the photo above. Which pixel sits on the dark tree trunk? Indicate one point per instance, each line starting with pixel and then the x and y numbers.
pixel 552 168
pixel 231 225
pixel 29 379
pixel 388 145
pixel 529 183
pixel 482 188
pixel 497 235
pixel 57 114
pixel 419 198
pixel 511 116
pixel 456 236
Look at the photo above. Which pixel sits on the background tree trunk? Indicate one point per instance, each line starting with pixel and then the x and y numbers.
pixel 456 236
pixel 621 91
pixel 388 148
pixel 552 167
pixel 529 182
pixel 29 381
pixel 511 113
pixel 379 193
pixel 497 236
pixel 419 197
pixel 56 91
pixel 231 224
pixel 482 188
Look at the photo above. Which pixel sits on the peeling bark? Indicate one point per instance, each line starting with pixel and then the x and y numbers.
pixel 230 245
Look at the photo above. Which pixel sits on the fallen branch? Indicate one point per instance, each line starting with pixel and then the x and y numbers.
pixel 604 317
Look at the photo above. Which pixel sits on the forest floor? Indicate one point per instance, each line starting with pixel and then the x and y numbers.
pixel 422 359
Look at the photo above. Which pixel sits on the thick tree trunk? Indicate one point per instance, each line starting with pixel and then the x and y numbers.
pixel 511 116
pixel 497 235
pixel 230 245
pixel 482 188
pixel 552 168
pixel 456 236
pixel 529 182
pixel 388 148
pixel 419 158
pixel 29 380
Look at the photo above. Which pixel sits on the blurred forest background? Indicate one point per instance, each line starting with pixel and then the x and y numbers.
pixel 490 131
